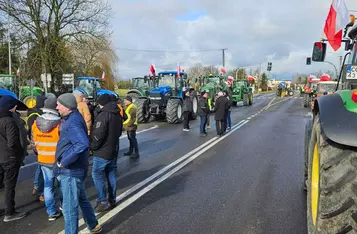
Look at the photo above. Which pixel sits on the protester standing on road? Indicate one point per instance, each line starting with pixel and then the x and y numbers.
pixel 130 126
pixel 45 135
pixel 32 114
pixel 11 155
pixel 203 112
pixel 187 110
pixel 230 103
pixel 107 129
pixel 71 165
pixel 220 109
pixel 83 109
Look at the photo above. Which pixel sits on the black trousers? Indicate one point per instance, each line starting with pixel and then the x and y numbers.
pixel 220 126
pixel 187 115
pixel 133 142
pixel 11 172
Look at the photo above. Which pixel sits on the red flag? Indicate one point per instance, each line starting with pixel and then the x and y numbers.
pixel 223 70
pixel 18 72
pixel 152 69
pixel 103 75
pixel 178 70
pixel 336 21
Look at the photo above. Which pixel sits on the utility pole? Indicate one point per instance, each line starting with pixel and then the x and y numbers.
pixel 340 60
pixel 224 57
pixel 9 42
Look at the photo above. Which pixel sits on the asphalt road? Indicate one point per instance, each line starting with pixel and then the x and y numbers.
pixel 248 181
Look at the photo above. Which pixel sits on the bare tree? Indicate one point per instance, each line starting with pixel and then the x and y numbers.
pixel 51 24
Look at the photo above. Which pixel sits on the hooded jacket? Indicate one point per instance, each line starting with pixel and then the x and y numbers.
pixel 107 128
pixel 10 145
pixel 84 110
pixel 46 123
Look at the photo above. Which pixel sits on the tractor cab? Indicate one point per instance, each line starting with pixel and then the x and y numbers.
pixel 91 86
pixel 141 86
pixel 8 82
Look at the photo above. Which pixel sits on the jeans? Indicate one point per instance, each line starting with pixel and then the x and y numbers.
pixel 38 180
pixel 133 142
pixel 203 124
pixel 74 196
pixel 11 172
pixel 228 120
pixel 208 120
pixel 105 169
pixel 49 190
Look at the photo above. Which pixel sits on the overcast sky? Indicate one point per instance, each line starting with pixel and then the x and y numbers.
pixel 254 32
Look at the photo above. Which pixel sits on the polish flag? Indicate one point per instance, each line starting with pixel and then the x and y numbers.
pixel 336 21
pixel 152 69
pixel 18 72
pixel 178 70
pixel 103 75
pixel 223 70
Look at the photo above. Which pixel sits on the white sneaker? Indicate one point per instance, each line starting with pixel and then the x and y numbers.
pixel 186 130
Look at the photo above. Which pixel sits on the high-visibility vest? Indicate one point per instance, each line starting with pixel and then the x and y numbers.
pixel 32 114
pixel 46 143
pixel 121 110
pixel 127 112
pixel 209 103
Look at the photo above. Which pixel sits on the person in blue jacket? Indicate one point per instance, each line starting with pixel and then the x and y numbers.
pixel 71 166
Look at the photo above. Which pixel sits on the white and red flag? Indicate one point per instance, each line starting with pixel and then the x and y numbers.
pixel 336 21
pixel 178 70
pixel 152 69
pixel 223 70
pixel 103 75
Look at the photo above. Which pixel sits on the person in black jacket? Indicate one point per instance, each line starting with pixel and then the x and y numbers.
pixel 107 129
pixel 203 112
pixel 187 110
pixel 11 155
pixel 220 109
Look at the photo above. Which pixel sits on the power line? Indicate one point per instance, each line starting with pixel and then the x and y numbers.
pixel 164 51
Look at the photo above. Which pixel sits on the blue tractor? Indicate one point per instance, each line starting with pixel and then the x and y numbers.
pixel 166 100
pixel 91 86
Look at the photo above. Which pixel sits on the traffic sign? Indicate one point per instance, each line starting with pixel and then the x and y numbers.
pixel 68 79
pixel 351 72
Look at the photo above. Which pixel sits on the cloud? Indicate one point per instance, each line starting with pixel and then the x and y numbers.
pixel 254 32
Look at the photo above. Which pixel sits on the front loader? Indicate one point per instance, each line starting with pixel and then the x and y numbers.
pixel 330 175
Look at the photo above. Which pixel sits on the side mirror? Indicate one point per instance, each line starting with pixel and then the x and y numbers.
pixel 319 52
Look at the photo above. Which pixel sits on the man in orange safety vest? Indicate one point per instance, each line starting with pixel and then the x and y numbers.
pixel 45 135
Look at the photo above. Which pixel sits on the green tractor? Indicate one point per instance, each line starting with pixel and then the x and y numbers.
pixel 141 86
pixel 213 84
pixel 242 91
pixel 330 173
pixel 9 82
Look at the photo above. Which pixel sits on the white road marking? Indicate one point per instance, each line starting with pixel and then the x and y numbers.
pixel 142 192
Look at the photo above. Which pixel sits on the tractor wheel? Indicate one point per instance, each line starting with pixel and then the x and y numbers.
pixel 306 100
pixel 195 107
pixel 174 111
pixel 307 137
pixel 134 96
pixel 331 194
pixel 250 99
pixel 291 93
pixel 30 102
pixel 245 99
pixel 143 110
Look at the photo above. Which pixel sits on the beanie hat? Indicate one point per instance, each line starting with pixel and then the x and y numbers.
pixel 68 100
pixel 104 99
pixel 50 103
pixel 130 99
pixel 203 92
pixel 8 102
pixel 50 95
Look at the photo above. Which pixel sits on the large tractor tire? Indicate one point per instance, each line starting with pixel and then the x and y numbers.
pixel 30 102
pixel 142 110
pixel 250 102
pixel 332 190
pixel 174 111
pixel 306 100
pixel 291 93
pixel 307 137
pixel 134 96
pixel 195 107
pixel 245 99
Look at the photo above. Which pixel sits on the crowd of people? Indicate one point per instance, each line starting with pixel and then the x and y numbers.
pixel 63 132
pixel 221 110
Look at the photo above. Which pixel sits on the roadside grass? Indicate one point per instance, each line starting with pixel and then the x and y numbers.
pixel 121 92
